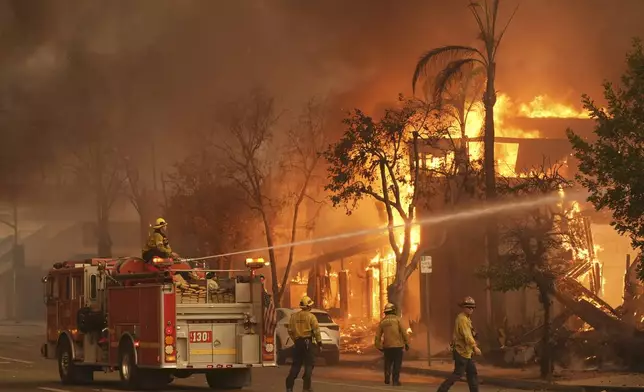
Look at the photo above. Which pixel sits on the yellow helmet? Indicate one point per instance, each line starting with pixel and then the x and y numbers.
pixel 390 308
pixel 468 302
pixel 159 223
pixel 306 302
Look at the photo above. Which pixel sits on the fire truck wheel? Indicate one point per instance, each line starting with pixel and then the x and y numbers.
pixel 128 371
pixel 69 372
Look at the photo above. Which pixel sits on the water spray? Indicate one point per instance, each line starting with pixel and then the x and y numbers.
pixel 448 217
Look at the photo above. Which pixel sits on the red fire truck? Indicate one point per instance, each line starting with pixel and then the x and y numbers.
pixel 151 326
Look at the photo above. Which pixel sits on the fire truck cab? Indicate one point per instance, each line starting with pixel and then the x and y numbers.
pixel 155 322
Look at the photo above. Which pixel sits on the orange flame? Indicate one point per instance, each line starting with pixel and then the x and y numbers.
pixel 384 266
pixel 506 153
pixel 543 106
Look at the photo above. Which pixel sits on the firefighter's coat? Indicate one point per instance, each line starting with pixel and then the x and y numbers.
pixel 464 342
pixel 158 241
pixel 303 324
pixel 390 333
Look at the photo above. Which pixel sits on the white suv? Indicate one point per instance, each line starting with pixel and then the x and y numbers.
pixel 329 330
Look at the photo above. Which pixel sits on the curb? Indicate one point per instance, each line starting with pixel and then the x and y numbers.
pixel 14 325
pixel 511 383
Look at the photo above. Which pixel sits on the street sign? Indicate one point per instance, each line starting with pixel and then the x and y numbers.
pixel 426 264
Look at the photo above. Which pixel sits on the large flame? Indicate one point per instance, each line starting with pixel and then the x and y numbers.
pixel 506 153
pixel 383 266
pixel 545 107
pixel 583 253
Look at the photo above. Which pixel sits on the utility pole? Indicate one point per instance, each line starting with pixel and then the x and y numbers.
pixel 426 271
pixel 382 286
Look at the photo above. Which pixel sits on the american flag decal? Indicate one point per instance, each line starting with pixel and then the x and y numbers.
pixel 270 315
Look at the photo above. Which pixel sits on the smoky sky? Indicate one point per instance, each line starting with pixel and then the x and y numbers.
pixel 178 59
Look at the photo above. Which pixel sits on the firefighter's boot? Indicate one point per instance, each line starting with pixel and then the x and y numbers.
pixel 397 384
pixel 387 378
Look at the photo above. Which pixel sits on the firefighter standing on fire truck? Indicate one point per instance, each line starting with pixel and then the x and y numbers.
pixel 464 347
pixel 304 330
pixel 158 244
pixel 390 339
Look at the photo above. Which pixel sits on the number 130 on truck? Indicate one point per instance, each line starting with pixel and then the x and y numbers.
pixel 153 322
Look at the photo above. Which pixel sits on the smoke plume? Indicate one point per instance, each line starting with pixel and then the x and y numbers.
pixel 178 58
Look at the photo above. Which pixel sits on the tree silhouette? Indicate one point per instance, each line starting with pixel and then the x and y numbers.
pixel 375 159
pixel 612 166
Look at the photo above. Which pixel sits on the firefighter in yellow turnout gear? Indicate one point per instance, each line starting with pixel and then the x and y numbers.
pixel 304 330
pixel 158 244
pixel 464 348
pixel 390 339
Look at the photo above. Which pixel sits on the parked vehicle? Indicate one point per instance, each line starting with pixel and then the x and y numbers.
pixel 329 330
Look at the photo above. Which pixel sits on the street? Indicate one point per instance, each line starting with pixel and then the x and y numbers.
pixel 22 369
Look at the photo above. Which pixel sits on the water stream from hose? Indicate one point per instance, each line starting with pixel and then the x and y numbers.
pixel 430 220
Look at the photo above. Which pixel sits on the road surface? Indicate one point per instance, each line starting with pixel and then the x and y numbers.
pixel 22 369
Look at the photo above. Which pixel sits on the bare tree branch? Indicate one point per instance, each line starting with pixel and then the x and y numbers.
pixel 305 144
pixel 251 122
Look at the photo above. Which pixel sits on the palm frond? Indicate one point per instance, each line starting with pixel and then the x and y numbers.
pixel 452 71
pixel 475 7
pixel 443 53
pixel 495 14
pixel 500 37
pixel 476 73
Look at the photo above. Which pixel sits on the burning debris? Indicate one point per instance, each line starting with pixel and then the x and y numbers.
pixel 588 334
pixel 358 338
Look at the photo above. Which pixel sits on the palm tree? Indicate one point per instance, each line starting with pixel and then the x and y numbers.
pixel 471 58
pixel 457 106
pixel 466 58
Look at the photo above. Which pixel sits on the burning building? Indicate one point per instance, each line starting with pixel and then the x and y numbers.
pixel 352 280
pixel 527 136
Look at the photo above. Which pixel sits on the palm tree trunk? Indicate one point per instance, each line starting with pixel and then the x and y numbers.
pixel 494 305
pixel 489 101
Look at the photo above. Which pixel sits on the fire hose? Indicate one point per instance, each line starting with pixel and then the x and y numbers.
pixel 462 215
pixel 294 244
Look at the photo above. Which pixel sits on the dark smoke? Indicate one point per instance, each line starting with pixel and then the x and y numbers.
pixel 178 59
